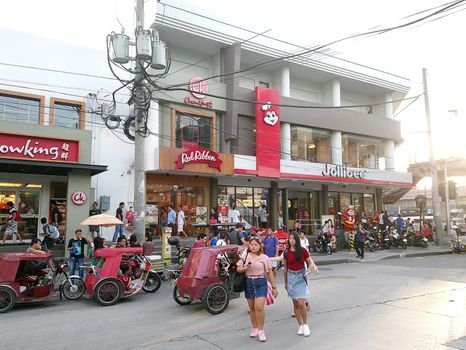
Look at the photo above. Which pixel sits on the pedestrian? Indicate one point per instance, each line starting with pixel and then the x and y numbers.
pixel 238 236
pixel 359 241
pixel 235 214
pixel 76 249
pixel 263 216
pixel 215 238
pixel 119 228
pixel 57 217
pixel 257 268
pixel 222 240
pixel 12 224
pixel 171 217
pixel 296 259
pixel 180 222
pixel 121 242
pixel 148 246
pixel 48 241
pixel 270 243
pixel 129 217
pixel 400 224
pixel 94 230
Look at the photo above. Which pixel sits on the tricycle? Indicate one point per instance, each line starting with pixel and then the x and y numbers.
pixel 206 277
pixel 120 273
pixel 26 278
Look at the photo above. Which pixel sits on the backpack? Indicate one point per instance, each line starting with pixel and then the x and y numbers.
pixel 18 217
pixel 53 232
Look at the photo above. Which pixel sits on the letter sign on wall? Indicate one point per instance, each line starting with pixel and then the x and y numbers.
pixel 78 197
pixel 198 155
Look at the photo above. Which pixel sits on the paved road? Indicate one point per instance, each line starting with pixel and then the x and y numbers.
pixel 416 303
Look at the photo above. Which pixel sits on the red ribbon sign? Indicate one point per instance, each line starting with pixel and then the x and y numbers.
pixel 198 155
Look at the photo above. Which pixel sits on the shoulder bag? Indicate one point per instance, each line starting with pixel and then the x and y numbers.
pixel 240 279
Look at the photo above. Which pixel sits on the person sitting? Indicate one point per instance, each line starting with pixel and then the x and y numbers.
pixel 121 242
pixel 124 277
pixel 98 243
pixel 35 247
pixel 133 241
pixel 202 240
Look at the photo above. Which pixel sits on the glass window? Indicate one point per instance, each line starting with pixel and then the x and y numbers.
pixel 19 109
pixel 312 145
pixel 333 203
pixel 345 201
pixel 369 206
pixel 356 200
pixel 66 115
pixel 193 131
pixel 361 151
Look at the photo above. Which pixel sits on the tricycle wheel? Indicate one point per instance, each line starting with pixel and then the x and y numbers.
pixel 7 299
pixel 179 299
pixel 73 288
pixel 153 282
pixel 108 291
pixel 216 298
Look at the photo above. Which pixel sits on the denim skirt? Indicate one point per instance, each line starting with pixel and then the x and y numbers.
pixel 255 288
pixel 297 284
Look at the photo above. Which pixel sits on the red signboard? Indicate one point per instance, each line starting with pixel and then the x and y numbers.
pixel 267 132
pixel 38 148
pixel 198 155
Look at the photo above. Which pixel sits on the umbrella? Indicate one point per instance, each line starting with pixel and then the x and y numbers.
pixel 102 220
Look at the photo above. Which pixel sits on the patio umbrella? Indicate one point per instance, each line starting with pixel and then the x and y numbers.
pixel 102 220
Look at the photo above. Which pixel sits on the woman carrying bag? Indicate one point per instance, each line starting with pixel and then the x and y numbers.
pixel 296 283
pixel 257 267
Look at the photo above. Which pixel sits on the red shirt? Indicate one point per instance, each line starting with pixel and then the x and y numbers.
pixel 294 264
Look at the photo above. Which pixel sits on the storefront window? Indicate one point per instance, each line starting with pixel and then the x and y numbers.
pixel 361 151
pixel 369 206
pixel 193 131
pixel 333 204
pixel 300 211
pixel 356 200
pixel 312 145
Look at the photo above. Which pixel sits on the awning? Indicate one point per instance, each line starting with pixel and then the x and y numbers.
pixel 391 194
pixel 46 168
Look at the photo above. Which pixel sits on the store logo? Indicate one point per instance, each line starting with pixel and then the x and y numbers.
pixel 78 197
pixel 198 155
pixel 343 171
pixel 198 87
pixel 270 118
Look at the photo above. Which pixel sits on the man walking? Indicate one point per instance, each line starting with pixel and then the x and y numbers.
pixel 94 230
pixel 180 222
pixel 12 227
pixel 171 217
pixel 119 228
pixel 271 248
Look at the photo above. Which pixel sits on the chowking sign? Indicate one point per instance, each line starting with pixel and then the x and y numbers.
pixel 198 155
pixel 38 148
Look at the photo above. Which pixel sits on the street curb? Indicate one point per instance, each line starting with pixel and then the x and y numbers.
pixel 389 257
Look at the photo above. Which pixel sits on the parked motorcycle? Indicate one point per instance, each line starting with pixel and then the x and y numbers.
pixel 323 244
pixel 386 243
pixel 416 240
pixel 398 239
pixel 370 241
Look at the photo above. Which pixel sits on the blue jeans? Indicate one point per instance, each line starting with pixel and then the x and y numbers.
pixel 118 232
pixel 76 262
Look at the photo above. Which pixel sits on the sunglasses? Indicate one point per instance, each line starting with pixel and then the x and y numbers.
pixel 255 238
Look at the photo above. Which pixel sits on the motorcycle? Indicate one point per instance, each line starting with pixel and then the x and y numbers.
pixel 398 239
pixel 323 244
pixel 416 240
pixel 369 241
pixel 385 239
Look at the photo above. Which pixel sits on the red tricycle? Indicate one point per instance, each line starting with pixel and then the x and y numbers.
pixel 206 277
pixel 26 278
pixel 120 273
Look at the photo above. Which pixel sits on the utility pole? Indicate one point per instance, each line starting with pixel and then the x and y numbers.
pixel 440 237
pixel 149 51
pixel 139 141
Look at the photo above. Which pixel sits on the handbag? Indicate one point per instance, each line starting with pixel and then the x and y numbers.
pixel 240 279
pixel 269 300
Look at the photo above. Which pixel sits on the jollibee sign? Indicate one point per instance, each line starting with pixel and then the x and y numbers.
pixel 198 155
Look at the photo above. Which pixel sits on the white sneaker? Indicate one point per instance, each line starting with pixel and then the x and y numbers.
pixel 306 330
pixel 300 330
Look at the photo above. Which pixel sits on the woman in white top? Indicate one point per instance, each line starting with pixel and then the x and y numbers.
pixel 304 241
pixel 235 215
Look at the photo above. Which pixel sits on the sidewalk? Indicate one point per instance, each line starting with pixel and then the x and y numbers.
pixel 346 256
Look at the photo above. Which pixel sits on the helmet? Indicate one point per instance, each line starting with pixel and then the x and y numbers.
pixel 173 240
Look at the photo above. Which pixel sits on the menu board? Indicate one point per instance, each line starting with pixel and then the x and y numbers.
pixel 223 214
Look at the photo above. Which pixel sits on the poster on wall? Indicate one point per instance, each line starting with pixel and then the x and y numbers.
pixel 201 215
pixel 223 214
pixel 152 214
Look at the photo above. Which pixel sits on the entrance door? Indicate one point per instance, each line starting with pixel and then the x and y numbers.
pixel 300 211
pixel 26 199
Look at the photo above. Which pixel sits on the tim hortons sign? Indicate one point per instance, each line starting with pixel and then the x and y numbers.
pixel 198 155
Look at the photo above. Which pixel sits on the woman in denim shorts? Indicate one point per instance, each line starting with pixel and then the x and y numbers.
pixel 257 267
pixel 295 258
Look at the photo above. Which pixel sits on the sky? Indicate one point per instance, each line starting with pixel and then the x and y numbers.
pixel 437 46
